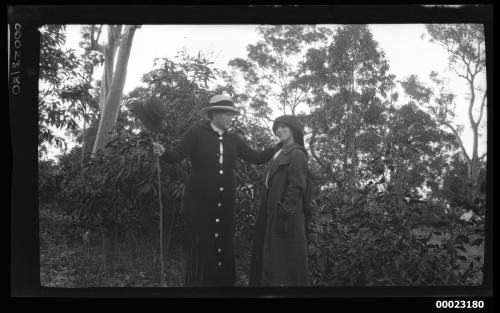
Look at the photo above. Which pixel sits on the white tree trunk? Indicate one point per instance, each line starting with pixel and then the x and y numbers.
pixel 111 107
pixel 109 61
pixel 109 51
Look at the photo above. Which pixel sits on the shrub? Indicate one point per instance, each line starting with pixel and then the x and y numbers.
pixel 385 239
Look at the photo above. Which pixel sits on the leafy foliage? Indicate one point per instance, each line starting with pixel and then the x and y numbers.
pixel 464 42
pixel 64 91
pixel 348 107
pixel 273 69
pixel 385 239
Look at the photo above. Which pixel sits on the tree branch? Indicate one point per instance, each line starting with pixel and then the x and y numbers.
pixel 467 63
pixel 92 28
pixel 479 60
pixel 115 30
pixel 94 42
pixel 452 53
pixel 478 68
pixel 483 102
pixel 296 100
pixel 267 126
pixel 460 75
pixel 471 102
pixel 312 143
pixel 458 139
pixel 275 94
pixel 98 34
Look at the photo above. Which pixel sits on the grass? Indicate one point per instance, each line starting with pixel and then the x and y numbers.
pixel 65 261
pixel 69 264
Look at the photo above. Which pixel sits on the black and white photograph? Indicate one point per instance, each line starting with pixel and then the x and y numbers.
pixel 261 155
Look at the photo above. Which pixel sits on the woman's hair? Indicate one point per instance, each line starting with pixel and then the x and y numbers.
pixel 297 136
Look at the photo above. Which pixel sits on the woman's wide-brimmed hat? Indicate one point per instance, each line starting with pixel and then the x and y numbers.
pixel 292 122
pixel 220 103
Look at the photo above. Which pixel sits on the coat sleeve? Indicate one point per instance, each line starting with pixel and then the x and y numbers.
pixel 257 157
pixel 183 149
pixel 296 175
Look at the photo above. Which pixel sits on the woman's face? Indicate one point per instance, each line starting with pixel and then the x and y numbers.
pixel 284 132
pixel 223 119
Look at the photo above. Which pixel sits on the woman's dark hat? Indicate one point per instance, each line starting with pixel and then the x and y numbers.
pixel 292 122
pixel 289 120
pixel 220 103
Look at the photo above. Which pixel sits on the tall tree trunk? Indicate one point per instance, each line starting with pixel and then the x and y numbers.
pixel 109 61
pixel 89 136
pixel 109 113
pixel 475 165
pixel 109 51
pixel 107 76
pixel 109 105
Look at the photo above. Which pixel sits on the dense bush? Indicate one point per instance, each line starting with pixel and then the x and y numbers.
pixel 118 190
pixel 48 181
pixel 391 239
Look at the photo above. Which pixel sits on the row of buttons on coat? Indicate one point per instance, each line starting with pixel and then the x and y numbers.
pixel 217 220
pixel 219 250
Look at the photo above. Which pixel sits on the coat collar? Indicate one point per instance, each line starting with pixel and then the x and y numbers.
pixel 208 126
pixel 217 129
pixel 288 149
pixel 283 158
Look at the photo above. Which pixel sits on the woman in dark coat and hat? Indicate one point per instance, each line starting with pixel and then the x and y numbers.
pixel 210 192
pixel 279 254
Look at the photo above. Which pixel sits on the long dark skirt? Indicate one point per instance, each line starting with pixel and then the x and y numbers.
pixel 201 265
pixel 255 279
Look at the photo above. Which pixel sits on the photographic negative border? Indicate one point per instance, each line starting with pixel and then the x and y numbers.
pixel 25 263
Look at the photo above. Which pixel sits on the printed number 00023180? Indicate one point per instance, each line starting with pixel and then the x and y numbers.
pixel 459 304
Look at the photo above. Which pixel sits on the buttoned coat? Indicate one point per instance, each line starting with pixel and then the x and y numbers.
pixel 279 254
pixel 209 200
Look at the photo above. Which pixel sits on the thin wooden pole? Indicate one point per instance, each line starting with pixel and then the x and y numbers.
pixel 162 268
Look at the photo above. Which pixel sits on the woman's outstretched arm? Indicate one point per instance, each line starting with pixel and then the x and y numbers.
pixel 183 149
pixel 257 157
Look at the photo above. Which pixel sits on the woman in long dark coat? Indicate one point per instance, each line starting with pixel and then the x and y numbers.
pixel 279 254
pixel 210 192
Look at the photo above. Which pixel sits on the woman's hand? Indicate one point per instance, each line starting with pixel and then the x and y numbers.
pixel 283 212
pixel 158 149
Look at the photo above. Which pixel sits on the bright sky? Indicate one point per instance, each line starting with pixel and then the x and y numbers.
pixel 405 50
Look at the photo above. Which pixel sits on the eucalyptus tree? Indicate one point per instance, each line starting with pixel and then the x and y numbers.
pixel 351 83
pixel 116 55
pixel 94 59
pixel 274 65
pixel 465 44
